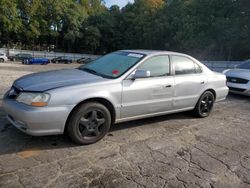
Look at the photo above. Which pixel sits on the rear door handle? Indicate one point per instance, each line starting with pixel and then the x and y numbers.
pixel 202 82
pixel 168 86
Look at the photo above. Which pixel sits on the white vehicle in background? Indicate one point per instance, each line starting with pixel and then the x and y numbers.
pixel 3 57
pixel 238 79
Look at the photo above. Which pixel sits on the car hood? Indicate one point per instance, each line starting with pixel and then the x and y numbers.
pixel 239 73
pixel 54 79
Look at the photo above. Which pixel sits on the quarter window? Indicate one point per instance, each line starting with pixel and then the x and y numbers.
pixel 198 69
pixel 183 65
pixel 158 66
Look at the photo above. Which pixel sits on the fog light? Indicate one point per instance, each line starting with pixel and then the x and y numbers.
pixel 20 123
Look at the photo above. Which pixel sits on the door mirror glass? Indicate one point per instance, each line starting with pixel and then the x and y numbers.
pixel 141 74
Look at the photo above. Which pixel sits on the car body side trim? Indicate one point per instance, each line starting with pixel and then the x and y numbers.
pixel 152 115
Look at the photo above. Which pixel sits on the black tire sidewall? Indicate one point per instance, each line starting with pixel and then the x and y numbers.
pixel 73 126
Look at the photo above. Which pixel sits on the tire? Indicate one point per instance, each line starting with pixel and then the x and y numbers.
pixel 89 123
pixel 1 60
pixel 204 105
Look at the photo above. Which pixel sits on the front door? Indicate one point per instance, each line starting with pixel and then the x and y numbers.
pixel 150 95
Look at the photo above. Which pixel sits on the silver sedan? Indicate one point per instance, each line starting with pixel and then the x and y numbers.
pixel 118 87
pixel 238 79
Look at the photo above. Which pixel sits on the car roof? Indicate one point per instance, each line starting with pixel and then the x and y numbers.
pixel 152 52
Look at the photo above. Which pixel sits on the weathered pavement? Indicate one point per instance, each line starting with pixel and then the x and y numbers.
pixel 168 151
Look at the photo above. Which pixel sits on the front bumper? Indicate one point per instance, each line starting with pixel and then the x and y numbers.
pixel 242 89
pixel 37 121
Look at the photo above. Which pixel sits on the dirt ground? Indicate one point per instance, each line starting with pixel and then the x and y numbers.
pixel 176 150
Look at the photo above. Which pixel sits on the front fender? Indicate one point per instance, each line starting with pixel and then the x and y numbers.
pixel 76 94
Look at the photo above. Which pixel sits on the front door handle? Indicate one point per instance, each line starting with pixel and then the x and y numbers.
pixel 202 82
pixel 168 86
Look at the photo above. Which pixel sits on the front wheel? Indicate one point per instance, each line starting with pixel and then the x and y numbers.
pixel 205 104
pixel 89 123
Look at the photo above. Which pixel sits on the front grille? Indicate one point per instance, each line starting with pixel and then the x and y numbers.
pixel 13 93
pixel 236 89
pixel 237 80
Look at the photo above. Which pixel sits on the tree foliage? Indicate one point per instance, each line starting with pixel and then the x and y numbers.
pixel 207 29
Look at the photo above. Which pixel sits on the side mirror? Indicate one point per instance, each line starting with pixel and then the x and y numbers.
pixel 141 74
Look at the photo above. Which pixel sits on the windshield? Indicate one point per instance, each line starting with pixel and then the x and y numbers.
pixel 112 65
pixel 245 65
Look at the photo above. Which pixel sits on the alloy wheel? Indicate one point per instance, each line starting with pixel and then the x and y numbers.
pixel 91 123
pixel 206 104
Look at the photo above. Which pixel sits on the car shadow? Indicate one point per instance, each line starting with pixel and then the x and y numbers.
pixel 232 96
pixel 152 120
pixel 14 141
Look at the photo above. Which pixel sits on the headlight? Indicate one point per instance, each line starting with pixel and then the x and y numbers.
pixel 34 99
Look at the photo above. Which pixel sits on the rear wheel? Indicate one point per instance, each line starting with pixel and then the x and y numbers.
pixel 89 123
pixel 1 60
pixel 205 104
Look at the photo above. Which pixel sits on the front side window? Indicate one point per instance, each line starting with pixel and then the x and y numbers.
pixel 158 66
pixel 184 65
pixel 112 65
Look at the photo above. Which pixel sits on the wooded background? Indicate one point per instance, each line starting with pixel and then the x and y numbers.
pixel 206 29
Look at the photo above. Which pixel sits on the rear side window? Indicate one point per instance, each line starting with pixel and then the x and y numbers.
pixel 158 66
pixel 1 54
pixel 184 65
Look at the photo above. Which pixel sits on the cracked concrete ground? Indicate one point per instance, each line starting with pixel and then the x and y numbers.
pixel 169 151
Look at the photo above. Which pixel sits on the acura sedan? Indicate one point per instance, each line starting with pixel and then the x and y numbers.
pixel 84 60
pixel 20 57
pixel 65 60
pixel 118 87
pixel 238 79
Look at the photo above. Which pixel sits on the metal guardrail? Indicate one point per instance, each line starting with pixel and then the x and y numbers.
pixel 49 55
pixel 218 66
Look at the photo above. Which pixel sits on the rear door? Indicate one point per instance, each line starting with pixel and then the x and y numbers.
pixel 189 81
pixel 151 95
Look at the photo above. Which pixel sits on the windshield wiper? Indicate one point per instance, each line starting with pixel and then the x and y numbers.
pixel 89 70
pixel 95 73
